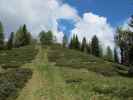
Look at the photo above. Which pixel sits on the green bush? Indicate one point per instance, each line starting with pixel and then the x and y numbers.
pixel 12 81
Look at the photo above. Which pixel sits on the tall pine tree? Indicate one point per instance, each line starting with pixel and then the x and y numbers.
pixel 1 36
pixel 116 58
pixel 89 48
pixel 95 49
pixel 77 43
pixel 10 41
pixel 22 37
pixel 84 45
pixel 124 40
pixel 27 36
pixel 71 43
pixel 46 38
pixel 74 43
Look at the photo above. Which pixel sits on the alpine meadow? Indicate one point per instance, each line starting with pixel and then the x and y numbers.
pixel 66 50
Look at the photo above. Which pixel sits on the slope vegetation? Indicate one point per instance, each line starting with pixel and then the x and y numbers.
pixel 63 74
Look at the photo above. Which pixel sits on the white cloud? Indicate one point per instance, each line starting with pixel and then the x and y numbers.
pixel 59 37
pixel 43 15
pixel 126 25
pixel 37 14
pixel 91 25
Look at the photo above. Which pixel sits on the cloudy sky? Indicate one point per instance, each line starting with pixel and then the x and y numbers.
pixel 82 17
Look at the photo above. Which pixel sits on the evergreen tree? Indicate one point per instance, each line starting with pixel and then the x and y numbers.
pixel 101 50
pixel 77 43
pixel 22 37
pixel 18 37
pixel 95 46
pixel 10 41
pixel 121 39
pixel 124 40
pixel 26 37
pixel 1 36
pixel 84 45
pixel 42 37
pixel 46 37
pixel 109 54
pixel 116 58
pixel 88 48
pixel 74 43
pixel 49 37
pixel 131 55
pixel 64 40
pixel 70 44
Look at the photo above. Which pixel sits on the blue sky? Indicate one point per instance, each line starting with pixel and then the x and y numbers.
pixel 66 26
pixel 116 11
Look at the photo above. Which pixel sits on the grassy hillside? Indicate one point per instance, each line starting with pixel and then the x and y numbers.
pixel 12 77
pixel 64 74
pixel 64 57
pixel 76 70
pixel 17 56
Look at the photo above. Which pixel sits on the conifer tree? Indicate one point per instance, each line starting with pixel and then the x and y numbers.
pixel 116 58
pixel 46 38
pixel 77 43
pixel 22 37
pixel 70 44
pixel 101 50
pixel 88 48
pixel 84 45
pixel 95 49
pixel 1 36
pixel 74 43
pixel 10 41
pixel 27 36
pixel 64 40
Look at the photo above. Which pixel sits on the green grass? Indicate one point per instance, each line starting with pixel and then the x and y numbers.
pixel 92 85
pixel 12 77
pixel 17 56
pixel 87 76
pixel 64 74
pixel 12 81
pixel 75 59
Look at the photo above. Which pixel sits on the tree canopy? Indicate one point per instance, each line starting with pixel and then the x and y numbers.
pixel 22 36
pixel 46 37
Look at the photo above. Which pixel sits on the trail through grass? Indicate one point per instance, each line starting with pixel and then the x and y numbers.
pixel 53 81
pixel 47 82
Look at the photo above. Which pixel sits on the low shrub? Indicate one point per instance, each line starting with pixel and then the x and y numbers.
pixel 12 81
pixel 17 56
pixel 130 72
